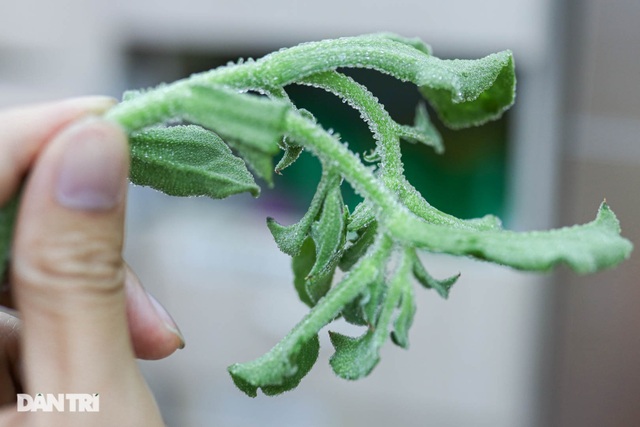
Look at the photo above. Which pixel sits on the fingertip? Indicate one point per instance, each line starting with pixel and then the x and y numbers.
pixel 154 333
pixel 93 168
pixel 94 104
pixel 167 321
pixel 27 129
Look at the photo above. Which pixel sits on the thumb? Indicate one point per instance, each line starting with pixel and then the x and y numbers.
pixel 67 271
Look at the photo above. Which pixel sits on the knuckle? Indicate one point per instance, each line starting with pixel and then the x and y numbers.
pixel 71 262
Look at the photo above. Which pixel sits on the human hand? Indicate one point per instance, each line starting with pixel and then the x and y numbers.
pixel 83 317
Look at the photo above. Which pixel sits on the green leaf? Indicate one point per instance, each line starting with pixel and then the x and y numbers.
pixel 406 304
pixel 290 238
pixel 282 364
pixel 423 130
pixel 441 286
pixel 362 216
pixel 585 248
pixel 301 265
pixel 292 149
pixel 470 92
pixel 188 161
pixel 328 235
pixel 372 304
pixel 352 313
pixel 406 312
pixel 291 154
pixel 252 125
pixel 275 375
pixel 364 238
pixel 356 357
pixel 317 286
pixel 256 121
pixel 310 289
pixel 328 232
pixel 365 309
pixel 259 162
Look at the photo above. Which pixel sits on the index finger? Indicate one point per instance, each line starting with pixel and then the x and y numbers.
pixel 23 132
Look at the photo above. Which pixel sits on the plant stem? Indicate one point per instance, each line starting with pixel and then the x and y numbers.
pixel 344 292
pixel 328 148
pixel 280 69
pixel 329 306
pixel 287 66
pixel 384 130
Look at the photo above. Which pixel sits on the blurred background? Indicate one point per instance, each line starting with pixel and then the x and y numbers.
pixel 507 349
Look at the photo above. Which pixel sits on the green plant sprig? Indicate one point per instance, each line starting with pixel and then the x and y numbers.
pixel 376 244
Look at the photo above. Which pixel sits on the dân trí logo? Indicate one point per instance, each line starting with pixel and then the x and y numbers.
pixel 60 402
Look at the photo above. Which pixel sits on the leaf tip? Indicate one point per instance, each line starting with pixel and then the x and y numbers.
pixel 607 217
pixel 243 385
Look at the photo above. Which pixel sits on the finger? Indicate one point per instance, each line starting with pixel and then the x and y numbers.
pixel 154 333
pixel 23 132
pixel 68 274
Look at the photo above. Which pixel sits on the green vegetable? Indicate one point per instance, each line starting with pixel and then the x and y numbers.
pixel 376 245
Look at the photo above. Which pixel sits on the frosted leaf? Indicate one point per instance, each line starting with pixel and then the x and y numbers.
pixel 301 264
pixel 292 152
pixel 441 286
pixel 328 234
pixel 275 375
pixel 585 248
pixel 405 315
pixel 423 130
pixel 359 246
pixel 470 92
pixel 188 161
pixel 356 357
pixel 290 238
pixel 286 363
pixel 365 309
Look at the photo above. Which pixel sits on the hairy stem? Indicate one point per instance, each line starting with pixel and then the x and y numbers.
pixel 328 148
pixel 385 132
pixel 284 67
pixel 344 292
pixel 290 65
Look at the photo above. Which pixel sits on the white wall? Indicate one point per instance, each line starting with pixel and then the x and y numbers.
pixel 598 346
pixel 463 25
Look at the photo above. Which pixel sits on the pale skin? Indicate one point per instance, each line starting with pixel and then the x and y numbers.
pixel 82 317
